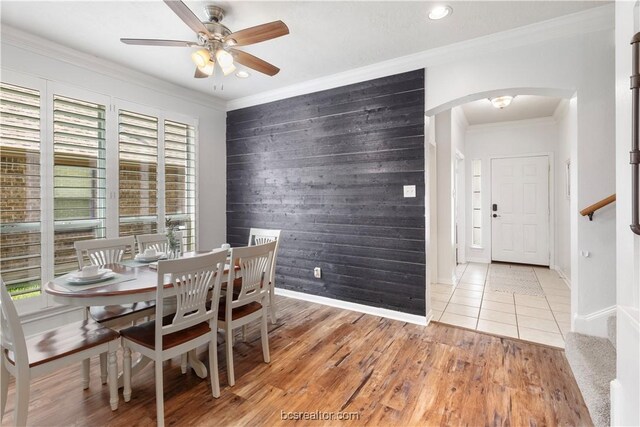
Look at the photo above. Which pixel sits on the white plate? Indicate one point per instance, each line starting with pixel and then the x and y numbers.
pixel 101 272
pixel 156 257
pixel 83 281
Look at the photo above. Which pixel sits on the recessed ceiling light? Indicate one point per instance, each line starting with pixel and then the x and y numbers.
pixel 242 74
pixel 440 12
pixel 501 101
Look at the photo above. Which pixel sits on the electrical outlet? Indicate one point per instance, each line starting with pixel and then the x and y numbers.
pixel 317 272
pixel 409 191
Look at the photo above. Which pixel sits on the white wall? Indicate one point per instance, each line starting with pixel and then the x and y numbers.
pixel 445 155
pixel 581 64
pixel 625 390
pixel 26 54
pixel 449 136
pixel 459 126
pixel 484 142
pixel 566 116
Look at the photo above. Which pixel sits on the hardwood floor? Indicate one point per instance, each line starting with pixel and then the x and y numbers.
pixel 331 360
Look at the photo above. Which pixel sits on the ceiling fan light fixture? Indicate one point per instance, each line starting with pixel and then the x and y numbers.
pixel 242 74
pixel 225 59
pixel 201 58
pixel 228 69
pixel 440 12
pixel 501 101
pixel 209 68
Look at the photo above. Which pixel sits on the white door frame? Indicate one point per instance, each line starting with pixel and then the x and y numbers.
pixel 552 203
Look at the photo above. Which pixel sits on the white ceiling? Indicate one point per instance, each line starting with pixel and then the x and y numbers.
pixel 327 37
pixel 522 107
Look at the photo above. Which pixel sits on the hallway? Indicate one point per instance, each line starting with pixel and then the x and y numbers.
pixel 474 304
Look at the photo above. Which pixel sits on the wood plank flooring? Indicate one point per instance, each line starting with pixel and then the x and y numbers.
pixel 331 360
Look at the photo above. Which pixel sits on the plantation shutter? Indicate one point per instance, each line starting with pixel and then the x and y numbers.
pixel 179 173
pixel 79 149
pixel 138 154
pixel 20 207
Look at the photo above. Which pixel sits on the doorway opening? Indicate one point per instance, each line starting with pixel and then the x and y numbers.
pixel 510 217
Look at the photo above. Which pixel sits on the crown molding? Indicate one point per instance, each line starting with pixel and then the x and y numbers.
pixel 550 120
pixel 23 40
pixel 588 21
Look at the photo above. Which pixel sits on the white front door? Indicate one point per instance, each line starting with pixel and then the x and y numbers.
pixel 520 210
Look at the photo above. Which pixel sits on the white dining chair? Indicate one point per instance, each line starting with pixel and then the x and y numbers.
pixel 25 359
pixel 260 236
pixel 109 251
pixel 192 324
pixel 247 303
pixel 103 251
pixel 157 241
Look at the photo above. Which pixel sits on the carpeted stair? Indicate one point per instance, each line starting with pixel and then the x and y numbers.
pixel 593 362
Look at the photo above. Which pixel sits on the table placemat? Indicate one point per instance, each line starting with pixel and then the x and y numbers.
pixel 118 278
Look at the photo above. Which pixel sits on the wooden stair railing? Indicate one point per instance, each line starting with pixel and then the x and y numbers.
pixel 590 210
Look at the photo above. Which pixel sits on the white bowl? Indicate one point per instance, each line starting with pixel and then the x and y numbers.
pixel 82 274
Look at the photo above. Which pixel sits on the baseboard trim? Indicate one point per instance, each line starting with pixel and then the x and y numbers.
pixel 562 275
pixel 614 395
pixel 360 308
pixel 478 260
pixel 429 316
pixel 446 280
pixel 595 323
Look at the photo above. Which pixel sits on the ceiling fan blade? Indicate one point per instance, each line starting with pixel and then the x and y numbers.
pixel 157 42
pixel 254 62
pixel 199 74
pixel 187 16
pixel 258 33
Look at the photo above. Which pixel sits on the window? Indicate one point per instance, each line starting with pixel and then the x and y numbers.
pixel 179 174
pixel 79 177
pixel 138 148
pixel 20 200
pixel 74 166
pixel 476 203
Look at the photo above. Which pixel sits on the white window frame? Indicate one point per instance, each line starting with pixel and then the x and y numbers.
pixel 47 90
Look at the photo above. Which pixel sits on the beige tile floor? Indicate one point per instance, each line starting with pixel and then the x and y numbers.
pixel 544 319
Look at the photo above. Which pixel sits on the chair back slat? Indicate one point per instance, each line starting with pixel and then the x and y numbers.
pixel 260 236
pixel 12 334
pixel 157 241
pixel 255 267
pixel 192 280
pixel 103 251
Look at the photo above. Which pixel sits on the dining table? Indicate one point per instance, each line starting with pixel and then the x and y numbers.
pixel 137 283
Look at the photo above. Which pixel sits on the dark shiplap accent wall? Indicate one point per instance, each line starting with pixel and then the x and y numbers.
pixel 327 169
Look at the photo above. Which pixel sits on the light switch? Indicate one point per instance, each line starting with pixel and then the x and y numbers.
pixel 409 191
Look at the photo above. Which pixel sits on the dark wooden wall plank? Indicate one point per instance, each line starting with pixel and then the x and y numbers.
pixel 327 169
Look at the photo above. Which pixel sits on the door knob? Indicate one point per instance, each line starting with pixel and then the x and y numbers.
pixel 496 215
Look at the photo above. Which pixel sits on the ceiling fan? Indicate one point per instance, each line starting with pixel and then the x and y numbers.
pixel 217 43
